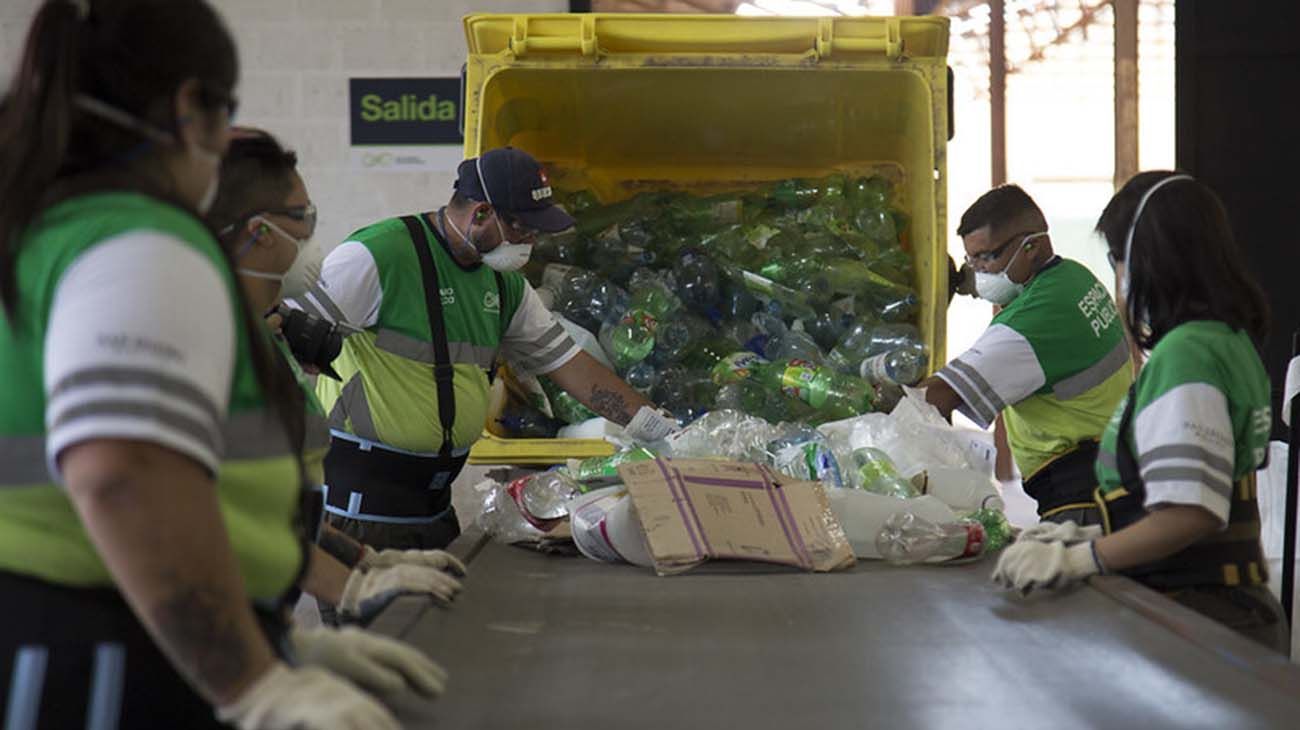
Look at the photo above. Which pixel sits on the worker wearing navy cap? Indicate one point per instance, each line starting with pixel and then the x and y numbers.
pixel 412 397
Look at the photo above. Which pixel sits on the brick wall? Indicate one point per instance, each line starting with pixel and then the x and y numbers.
pixel 297 56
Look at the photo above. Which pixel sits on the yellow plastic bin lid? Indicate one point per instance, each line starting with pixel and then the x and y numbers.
pixel 496 450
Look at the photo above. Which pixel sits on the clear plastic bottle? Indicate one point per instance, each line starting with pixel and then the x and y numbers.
pixel 906 539
pixel 904 366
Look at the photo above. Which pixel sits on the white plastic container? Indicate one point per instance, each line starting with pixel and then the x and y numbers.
pixel 605 527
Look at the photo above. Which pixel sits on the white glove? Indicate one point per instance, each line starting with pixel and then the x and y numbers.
pixel 437 559
pixel 305 699
pixel 649 425
pixel 1067 532
pixel 368 592
pixel 378 664
pixel 1030 565
pixel 1290 388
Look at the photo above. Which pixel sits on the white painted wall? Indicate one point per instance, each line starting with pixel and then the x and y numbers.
pixel 296 57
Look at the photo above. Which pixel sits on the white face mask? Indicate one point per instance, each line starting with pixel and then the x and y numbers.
pixel 998 287
pixel 507 256
pixel 303 273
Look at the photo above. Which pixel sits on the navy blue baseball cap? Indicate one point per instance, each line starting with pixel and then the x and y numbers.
pixel 515 184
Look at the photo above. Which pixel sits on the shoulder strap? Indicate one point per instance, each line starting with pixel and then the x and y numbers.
pixel 442 369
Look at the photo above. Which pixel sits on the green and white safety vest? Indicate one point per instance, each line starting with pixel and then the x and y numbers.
pixel 387 393
pixel 258 483
pixel 1194 429
pixel 1054 362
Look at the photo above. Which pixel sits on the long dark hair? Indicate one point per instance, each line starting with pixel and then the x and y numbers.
pixel 132 55
pixel 1185 264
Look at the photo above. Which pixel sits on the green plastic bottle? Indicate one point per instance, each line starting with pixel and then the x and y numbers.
pixel 832 394
pixel 876 472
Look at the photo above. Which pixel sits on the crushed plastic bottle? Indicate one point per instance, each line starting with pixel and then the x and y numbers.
pixel 907 539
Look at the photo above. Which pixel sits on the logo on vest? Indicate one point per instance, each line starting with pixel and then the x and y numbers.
pixel 448 296
pixel 491 302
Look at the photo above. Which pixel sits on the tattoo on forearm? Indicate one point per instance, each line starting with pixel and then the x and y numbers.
pixel 338 545
pixel 202 636
pixel 609 404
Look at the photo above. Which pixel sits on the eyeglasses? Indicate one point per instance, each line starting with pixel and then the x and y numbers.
pixel 986 258
pixel 305 214
pixel 517 227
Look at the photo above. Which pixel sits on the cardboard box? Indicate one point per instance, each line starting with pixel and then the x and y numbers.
pixel 693 510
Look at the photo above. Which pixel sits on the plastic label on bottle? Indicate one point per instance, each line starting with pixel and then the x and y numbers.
pixel 800 381
pixel 876 368
pixel 736 367
pixel 975 539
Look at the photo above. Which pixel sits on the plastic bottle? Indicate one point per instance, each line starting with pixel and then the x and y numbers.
pixel 565 406
pixel 904 366
pixel 832 394
pixel 654 297
pixel 629 340
pixel 997 530
pixel 906 539
pixel 847 354
pixel 641 377
pixel 677 338
pixel 796 344
pixel 542 497
pixel 875 472
pixel 868 192
pixel 698 282
pixel 804 192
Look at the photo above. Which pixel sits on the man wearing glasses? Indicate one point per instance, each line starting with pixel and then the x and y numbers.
pixel 1054 362
pixel 413 396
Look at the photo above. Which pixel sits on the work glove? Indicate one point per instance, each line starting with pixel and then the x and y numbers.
pixel 305 699
pixel 368 592
pixel 1290 389
pixel 1029 565
pixel 377 664
pixel 649 425
pixel 960 281
pixel 1066 532
pixel 436 559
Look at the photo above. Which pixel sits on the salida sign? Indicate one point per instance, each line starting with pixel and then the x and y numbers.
pixel 405 111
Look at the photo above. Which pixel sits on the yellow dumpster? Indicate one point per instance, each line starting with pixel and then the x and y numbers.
pixel 620 104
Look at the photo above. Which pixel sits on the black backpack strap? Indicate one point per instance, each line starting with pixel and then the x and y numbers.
pixel 442 368
pixel 504 322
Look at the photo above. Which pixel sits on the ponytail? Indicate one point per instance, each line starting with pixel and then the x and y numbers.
pixel 35 126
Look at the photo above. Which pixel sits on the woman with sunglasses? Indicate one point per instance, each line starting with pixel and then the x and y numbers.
pixel 1178 459
pixel 150 500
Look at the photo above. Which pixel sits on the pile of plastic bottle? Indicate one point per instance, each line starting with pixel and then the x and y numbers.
pixel 880 507
pixel 792 302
